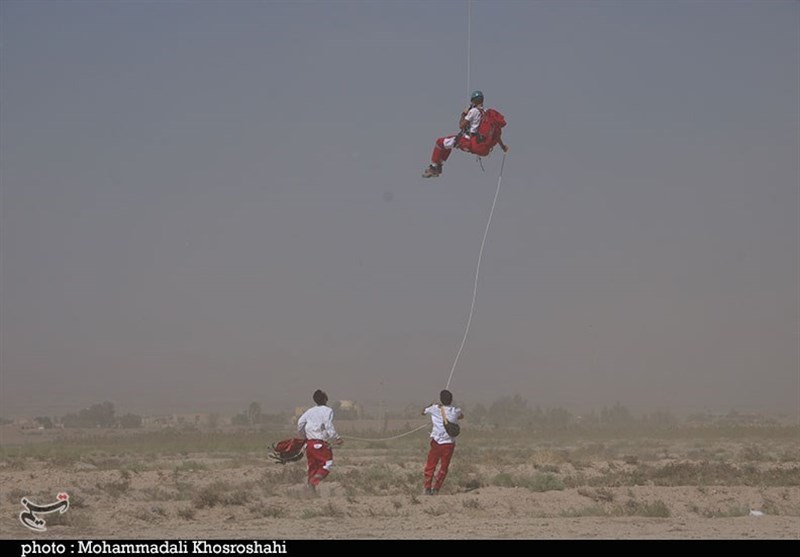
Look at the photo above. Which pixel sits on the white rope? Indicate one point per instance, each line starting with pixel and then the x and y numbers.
pixel 469 41
pixel 477 272
pixel 480 254
pixel 423 426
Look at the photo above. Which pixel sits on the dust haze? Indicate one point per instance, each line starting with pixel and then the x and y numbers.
pixel 209 204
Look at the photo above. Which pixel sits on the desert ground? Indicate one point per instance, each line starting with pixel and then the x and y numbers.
pixel 684 483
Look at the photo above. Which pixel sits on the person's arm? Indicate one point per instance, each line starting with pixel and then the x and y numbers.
pixel 332 430
pixel 503 146
pixel 463 123
pixel 301 425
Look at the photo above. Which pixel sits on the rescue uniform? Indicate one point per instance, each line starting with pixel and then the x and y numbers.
pixel 316 425
pixel 466 141
pixel 442 446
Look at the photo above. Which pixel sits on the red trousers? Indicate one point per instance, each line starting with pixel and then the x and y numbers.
pixel 438 453
pixel 468 144
pixel 320 460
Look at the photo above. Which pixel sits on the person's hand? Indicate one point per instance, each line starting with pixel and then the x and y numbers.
pixel 505 148
pixel 339 441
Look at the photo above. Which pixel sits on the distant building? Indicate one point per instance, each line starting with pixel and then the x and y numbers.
pixel 344 409
pixel 26 423
pixel 170 420
pixel 349 410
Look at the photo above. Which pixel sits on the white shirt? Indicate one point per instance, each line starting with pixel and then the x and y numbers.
pixel 474 118
pixel 438 432
pixel 317 423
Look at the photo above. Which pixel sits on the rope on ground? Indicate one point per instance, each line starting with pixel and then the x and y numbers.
pixel 385 438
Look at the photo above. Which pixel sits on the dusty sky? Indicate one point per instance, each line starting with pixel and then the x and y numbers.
pixel 210 203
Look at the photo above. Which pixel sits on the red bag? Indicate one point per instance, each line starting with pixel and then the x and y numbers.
pixel 489 130
pixel 288 450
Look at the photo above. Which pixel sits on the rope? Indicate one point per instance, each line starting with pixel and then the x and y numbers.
pixel 480 253
pixel 385 438
pixel 477 272
pixel 469 41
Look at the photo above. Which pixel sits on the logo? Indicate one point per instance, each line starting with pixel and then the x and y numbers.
pixel 29 517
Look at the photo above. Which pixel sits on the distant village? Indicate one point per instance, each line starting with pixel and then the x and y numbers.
pixel 104 415
pixel 505 412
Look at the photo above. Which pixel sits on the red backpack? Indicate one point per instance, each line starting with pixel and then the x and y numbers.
pixel 492 122
pixel 288 450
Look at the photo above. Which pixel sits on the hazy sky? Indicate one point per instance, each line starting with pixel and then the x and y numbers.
pixel 210 203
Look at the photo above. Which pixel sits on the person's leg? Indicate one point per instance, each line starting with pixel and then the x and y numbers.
pixel 445 455
pixel 430 466
pixel 466 143
pixel 318 454
pixel 442 149
pixel 313 464
pixel 323 462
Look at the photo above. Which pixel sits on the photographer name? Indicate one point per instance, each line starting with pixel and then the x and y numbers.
pixel 193 547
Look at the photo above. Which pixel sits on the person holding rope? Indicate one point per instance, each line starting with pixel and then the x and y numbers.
pixel 442 444
pixel 480 131
pixel 316 425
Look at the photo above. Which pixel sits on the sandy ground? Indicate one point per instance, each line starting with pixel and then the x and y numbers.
pixel 162 498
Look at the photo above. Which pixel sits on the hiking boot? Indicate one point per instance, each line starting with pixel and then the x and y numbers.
pixel 432 171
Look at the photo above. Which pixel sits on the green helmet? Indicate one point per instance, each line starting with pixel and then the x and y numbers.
pixel 476 96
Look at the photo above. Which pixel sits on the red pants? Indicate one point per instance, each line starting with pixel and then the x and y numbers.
pixel 470 145
pixel 320 460
pixel 438 453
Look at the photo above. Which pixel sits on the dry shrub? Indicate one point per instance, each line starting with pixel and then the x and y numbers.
pixel 598 495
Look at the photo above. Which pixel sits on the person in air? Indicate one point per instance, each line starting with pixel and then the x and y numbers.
pixel 481 130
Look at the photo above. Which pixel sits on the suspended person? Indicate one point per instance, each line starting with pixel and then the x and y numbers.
pixel 442 444
pixel 316 425
pixel 481 129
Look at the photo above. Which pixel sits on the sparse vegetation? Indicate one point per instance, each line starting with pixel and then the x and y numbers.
pixel 591 510
pixel 724 513
pixel 473 504
pixel 220 493
pixel 599 495
pixel 172 476
pixel 654 509
pixel 187 513
pixel 268 511
pixel 534 482
pixel 116 488
pixel 328 509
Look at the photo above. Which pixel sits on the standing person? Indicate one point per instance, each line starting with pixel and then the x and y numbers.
pixel 469 139
pixel 442 445
pixel 316 425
